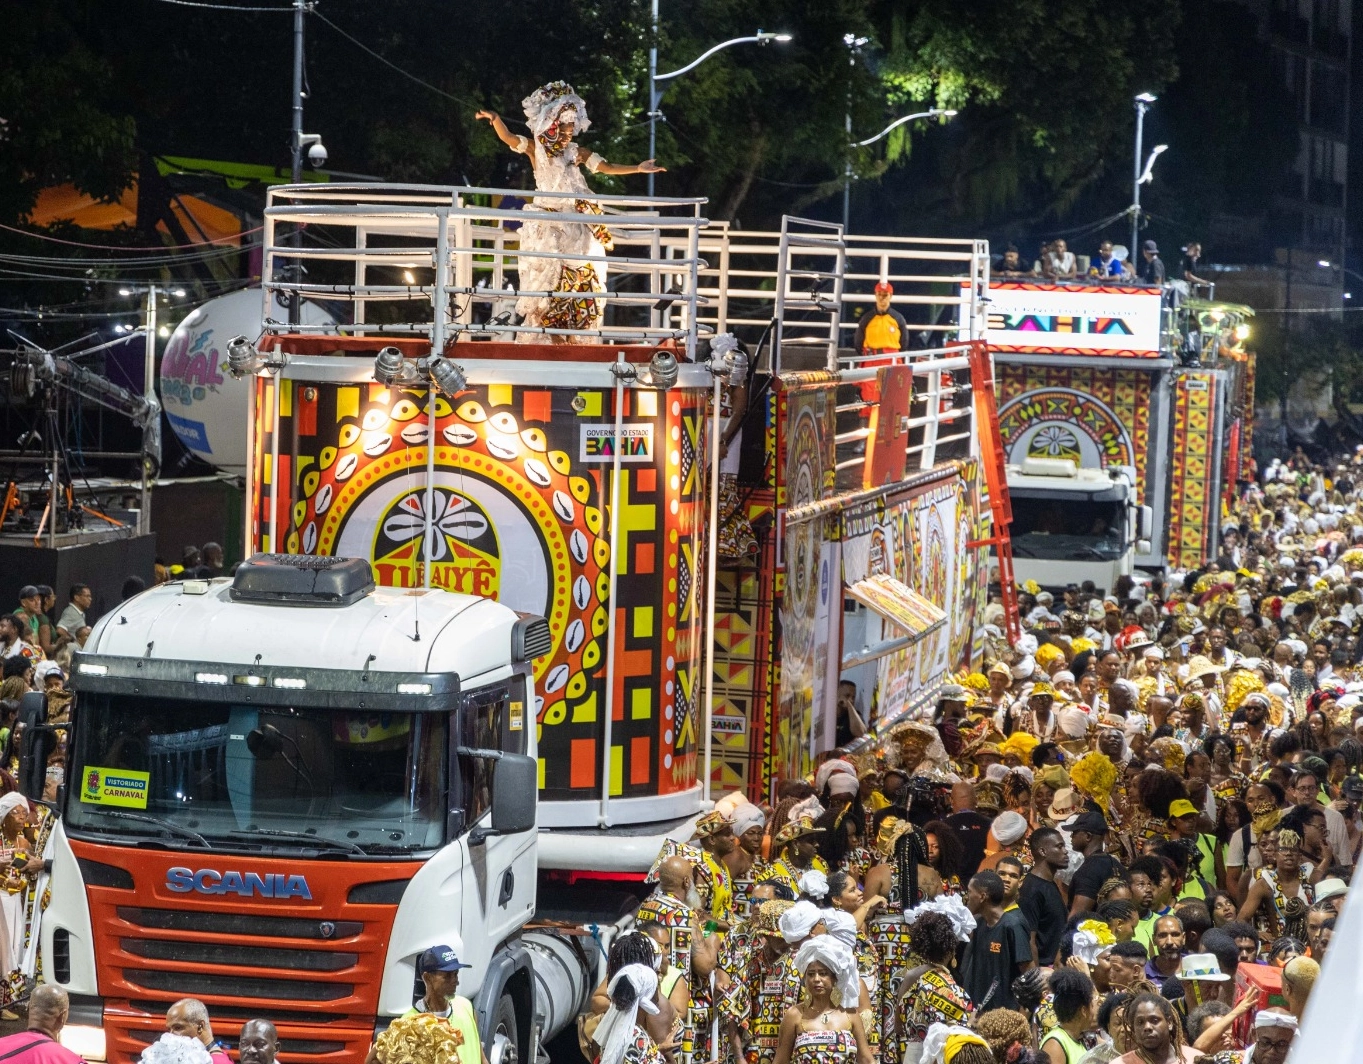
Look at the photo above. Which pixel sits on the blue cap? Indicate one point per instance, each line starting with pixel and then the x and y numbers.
pixel 439 959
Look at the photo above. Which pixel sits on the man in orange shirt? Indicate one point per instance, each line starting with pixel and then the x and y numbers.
pixel 884 332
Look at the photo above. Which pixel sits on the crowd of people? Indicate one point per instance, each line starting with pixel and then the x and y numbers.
pixel 1128 836
pixel 1057 262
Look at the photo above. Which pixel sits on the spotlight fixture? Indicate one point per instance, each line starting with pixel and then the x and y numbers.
pixel 447 376
pixel 243 358
pixel 393 370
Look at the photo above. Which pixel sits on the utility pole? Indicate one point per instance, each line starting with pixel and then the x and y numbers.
pixel 653 93
pixel 854 44
pixel 296 131
pixel 148 390
pixel 1143 102
pixel 1287 350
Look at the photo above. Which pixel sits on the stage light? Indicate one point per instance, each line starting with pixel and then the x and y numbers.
pixel 392 370
pixel 448 377
pixel 243 358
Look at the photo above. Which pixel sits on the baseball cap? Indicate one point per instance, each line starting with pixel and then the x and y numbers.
pixel 1330 888
pixel 28 591
pixel 1181 807
pixel 1091 822
pixel 440 959
pixel 1150 245
pixel 885 288
pixel 1352 787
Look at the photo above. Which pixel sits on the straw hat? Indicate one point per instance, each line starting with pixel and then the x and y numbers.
pixel 1201 665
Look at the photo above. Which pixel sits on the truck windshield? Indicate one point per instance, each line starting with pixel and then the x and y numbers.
pixel 245 776
pixel 1067 531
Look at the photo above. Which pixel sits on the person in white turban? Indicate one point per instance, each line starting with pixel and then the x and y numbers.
pixel 632 988
pixel 799 921
pixel 822 1026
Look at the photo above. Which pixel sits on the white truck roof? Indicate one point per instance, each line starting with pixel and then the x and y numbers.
pixel 200 621
pixel 1073 480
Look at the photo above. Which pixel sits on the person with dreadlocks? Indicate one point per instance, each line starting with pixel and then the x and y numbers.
pixel 555 113
pixel 1152 1027
pixel 904 879
pixel 1279 900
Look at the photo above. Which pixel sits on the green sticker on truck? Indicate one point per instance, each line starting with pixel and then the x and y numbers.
pixel 115 786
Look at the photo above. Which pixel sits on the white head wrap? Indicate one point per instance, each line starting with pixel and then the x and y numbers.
pixel 748 816
pixel 996 773
pixel 950 906
pixel 1026 645
pixel 832 768
pixel 545 104
pixel 1024 668
pixel 1269 1018
pixel 1063 676
pixel 935 1044
pixel 1073 722
pixel 814 883
pixel 175 1049
pixel 1087 947
pixel 615 1032
pixel 810 807
pixel 10 802
pixel 842 926
pixel 1009 826
pixel 839 960
pixel 842 783
pixel 798 921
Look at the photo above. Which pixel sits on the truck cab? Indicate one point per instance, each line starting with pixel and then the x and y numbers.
pixel 1072 524
pixel 283 787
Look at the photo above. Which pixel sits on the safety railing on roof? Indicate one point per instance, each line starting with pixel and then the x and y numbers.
pixel 442 262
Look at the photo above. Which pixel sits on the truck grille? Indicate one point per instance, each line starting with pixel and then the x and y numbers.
pixel 209 923
pixel 303 960
pixel 237 986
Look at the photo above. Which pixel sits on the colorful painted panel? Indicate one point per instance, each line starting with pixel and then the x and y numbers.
pixel 519 505
pixel 1190 501
pixel 1095 417
pixel 1073 319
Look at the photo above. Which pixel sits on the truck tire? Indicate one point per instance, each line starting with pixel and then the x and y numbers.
pixel 504 1038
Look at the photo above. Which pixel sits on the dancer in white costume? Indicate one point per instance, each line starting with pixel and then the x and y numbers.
pixel 555 113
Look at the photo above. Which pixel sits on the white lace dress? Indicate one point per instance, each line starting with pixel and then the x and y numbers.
pixel 585 242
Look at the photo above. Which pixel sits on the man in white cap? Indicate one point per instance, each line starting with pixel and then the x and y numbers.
pixel 1274 1033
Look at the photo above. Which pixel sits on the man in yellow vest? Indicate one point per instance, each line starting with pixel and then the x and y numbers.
pixel 884 332
pixel 439 968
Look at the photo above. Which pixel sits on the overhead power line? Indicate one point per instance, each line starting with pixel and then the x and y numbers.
pixel 213 242
pixel 221 7
pixel 390 64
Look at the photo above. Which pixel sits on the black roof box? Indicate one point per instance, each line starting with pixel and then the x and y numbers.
pixel 302 580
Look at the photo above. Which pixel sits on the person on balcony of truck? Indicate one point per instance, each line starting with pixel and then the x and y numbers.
pixel 1106 265
pixel 1012 264
pixel 1192 262
pixel 1059 263
pixel 555 113
pixel 1152 272
pixel 188 1018
pixel 439 969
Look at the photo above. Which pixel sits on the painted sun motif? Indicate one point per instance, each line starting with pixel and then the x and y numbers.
pixel 1054 441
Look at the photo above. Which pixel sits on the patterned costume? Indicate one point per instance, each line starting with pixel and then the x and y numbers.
pixel 758 999
pixel 888 935
pixel 677 917
pixel 824 1047
pixel 933 998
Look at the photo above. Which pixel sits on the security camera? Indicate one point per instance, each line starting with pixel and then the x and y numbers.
pixel 317 152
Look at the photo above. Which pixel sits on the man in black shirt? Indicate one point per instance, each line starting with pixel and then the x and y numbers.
pixel 1040 899
pixel 1088 837
pixel 970 827
pixel 1000 947
pixel 1153 270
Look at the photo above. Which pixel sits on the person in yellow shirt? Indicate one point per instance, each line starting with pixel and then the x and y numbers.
pixel 439 968
pixel 883 332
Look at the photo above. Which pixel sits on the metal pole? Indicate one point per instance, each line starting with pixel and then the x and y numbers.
pixel 711 549
pixel 1136 185
pixel 1287 350
pixel 653 94
pixel 603 818
pixel 847 127
pixel 296 138
pixel 149 391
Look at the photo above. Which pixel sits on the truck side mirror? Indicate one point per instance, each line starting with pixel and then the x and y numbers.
pixel 1145 522
pixel 515 788
pixel 36 741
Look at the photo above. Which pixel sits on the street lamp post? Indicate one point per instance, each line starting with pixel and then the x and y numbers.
pixel 655 96
pixel 148 387
pixel 934 112
pixel 854 45
pixel 1143 102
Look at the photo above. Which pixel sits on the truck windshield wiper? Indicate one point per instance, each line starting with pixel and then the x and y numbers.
pixel 323 840
pixel 168 825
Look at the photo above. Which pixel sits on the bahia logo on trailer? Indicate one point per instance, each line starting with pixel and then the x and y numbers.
pixel 245 884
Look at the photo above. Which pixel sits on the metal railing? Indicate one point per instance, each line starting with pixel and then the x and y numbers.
pixel 438 262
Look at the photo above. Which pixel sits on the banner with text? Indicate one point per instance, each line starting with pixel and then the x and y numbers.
pixel 1053 319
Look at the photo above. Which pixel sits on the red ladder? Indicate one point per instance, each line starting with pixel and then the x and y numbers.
pixel 993 461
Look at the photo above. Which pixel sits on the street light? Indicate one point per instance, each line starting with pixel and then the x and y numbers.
pixel 1143 102
pixel 1148 173
pixel 654 96
pixel 935 112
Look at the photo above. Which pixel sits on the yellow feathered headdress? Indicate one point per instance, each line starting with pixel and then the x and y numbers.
pixel 1094 776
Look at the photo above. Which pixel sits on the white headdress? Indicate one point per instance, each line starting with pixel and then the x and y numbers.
pixel 839 960
pixel 950 906
pixel 615 1032
pixel 842 926
pixel 814 883
pixel 798 921
pixel 176 1049
pixel 544 106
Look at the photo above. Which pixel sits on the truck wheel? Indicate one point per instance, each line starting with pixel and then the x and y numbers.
pixel 505 1047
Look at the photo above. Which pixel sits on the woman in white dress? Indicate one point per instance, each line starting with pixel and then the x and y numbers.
pixel 555 113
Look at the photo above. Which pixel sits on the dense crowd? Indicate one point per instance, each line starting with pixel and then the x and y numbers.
pixel 1128 837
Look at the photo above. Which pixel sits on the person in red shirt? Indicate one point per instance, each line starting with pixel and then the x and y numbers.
pixel 47 1012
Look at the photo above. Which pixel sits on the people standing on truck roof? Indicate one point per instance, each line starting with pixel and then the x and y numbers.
pixel 439 968
pixel 47 1013
pixel 188 1018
